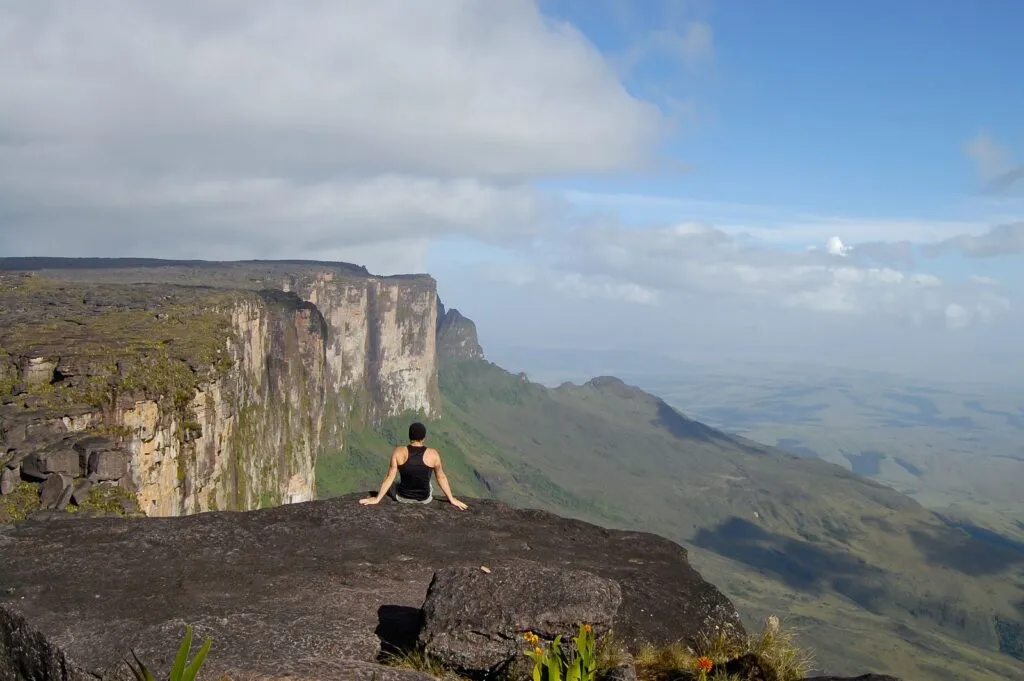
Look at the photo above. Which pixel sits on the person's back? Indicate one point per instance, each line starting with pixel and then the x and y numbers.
pixel 414 463
pixel 414 480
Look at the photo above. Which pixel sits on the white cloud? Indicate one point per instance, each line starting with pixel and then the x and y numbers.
pixel 342 122
pixel 835 246
pixel 694 259
pixel 1001 240
pixel 983 280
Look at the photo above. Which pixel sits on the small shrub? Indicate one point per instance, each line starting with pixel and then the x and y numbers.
pixel 707 659
pixel 778 649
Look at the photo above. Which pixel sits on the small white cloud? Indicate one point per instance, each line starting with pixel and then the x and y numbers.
pixel 835 246
pixel 984 281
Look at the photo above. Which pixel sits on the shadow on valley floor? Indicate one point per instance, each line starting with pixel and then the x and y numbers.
pixel 970 549
pixel 798 564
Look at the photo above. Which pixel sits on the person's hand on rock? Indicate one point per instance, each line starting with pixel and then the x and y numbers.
pixel 369 501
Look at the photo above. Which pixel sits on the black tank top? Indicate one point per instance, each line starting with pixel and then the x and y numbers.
pixel 415 475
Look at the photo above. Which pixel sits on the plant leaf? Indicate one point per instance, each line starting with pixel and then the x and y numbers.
pixel 179 660
pixel 142 673
pixel 197 661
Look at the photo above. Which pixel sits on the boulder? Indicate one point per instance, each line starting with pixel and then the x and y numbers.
pixel 108 465
pixel 65 497
pixel 321 581
pixel 81 492
pixel 474 620
pixel 89 446
pixel 39 371
pixel 30 469
pixel 58 459
pixel 9 479
pixel 52 490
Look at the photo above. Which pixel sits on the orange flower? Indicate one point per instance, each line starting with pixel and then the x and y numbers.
pixel 538 651
pixel 704 663
pixel 587 628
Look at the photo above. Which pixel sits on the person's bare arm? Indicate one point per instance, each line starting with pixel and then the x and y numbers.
pixel 388 479
pixel 442 481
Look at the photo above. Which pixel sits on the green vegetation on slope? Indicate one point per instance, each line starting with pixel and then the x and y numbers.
pixel 875 580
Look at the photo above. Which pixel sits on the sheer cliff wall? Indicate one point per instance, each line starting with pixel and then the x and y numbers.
pixel 269 364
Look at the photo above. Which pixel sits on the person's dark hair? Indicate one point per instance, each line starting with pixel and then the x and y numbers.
pixel 417 432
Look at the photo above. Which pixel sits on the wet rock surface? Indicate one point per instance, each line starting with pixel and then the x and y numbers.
pixel 321 581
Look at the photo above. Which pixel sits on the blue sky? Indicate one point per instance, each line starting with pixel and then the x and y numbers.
pixel 790 181
pixel 841 107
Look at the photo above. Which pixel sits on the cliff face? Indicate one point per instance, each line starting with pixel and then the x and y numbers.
pixel 252 435
pixel 246 391
pixel 382 339
pixel 456 335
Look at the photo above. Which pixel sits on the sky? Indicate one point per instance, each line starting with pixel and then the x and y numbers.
pixel 838 183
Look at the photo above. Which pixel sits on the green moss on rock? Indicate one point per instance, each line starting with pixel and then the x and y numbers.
pixel 19 503
pixel 110 499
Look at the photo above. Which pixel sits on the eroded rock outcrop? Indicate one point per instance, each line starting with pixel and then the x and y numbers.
pixel 456 335
pixel 320 582
pixel 474 618
pixel 221 382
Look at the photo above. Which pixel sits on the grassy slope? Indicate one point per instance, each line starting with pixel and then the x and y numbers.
pixel 874 580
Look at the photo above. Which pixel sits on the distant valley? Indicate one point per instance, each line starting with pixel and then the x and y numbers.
pixel 853 565
pixel 956 448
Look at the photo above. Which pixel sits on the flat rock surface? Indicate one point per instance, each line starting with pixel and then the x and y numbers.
pixel 323 580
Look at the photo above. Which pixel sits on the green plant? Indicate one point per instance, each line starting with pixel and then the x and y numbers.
pixel 181 670
pixel 416 660
pixel 555 664
pixel 777 648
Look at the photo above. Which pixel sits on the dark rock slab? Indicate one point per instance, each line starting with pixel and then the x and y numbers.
pixel 309 581
pixel 108 465
pixel 52 489
pixel 9 479
pixel 474 620
pixel 58 459
pixel 30 470
pixel 80 492
pixel 91 445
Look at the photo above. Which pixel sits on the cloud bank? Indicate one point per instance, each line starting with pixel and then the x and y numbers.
pixel 367 131
pixel 270 128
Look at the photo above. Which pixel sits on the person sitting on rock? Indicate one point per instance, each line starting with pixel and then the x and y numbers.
pixel 414 463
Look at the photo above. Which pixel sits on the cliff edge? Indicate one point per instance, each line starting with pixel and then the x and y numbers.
pixel 320 582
